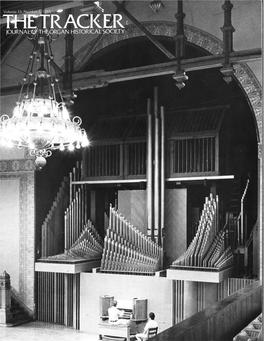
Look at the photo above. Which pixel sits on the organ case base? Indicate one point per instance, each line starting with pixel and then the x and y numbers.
pixel 204 276
pixel 69 267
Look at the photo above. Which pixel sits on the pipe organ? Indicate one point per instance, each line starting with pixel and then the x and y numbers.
pixel 58 272
pixel 52 228
pixel 208 248
pixel 81 240
pixel 87 246
pixel 127 250
pixel 58 298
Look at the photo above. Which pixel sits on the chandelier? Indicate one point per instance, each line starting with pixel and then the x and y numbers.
pixel 41 120
pixel 156 5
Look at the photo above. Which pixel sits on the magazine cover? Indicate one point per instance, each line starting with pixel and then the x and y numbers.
pixel 131 201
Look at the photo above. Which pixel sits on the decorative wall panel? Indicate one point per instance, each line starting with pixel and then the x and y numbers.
pixel 21 215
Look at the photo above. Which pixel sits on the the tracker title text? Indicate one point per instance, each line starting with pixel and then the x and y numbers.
pixel 106 21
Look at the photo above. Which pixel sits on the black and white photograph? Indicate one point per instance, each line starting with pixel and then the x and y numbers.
pixel 131 170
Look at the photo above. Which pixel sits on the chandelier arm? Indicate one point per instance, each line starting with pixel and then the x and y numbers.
pixel 42 50
pixel 50 52
pixel 56 78
pixel 48 47
pixel 52 76
pixel 34 89
pixel 58 85
pixel 53 90
pixel 35 80
pixel 31 70
pixel 25 76
pixel 49 69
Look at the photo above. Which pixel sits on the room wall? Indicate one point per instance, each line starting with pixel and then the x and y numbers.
pixel 157 290
pixel 17 221
pixel 9 202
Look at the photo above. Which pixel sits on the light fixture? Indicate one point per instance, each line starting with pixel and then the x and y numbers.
pixel 41 120
pixel 156 5
pixel 92 8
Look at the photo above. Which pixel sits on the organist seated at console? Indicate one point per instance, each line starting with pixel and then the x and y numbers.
pixel 115 315
pixel 124 318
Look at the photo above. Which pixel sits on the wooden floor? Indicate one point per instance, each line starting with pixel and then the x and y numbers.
pixel 41 331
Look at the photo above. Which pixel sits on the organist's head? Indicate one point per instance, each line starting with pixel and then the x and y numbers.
pixel 114 303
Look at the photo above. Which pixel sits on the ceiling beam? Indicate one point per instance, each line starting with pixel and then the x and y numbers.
pixel 145 31
pixel 89 54
pixel 94 79
pixel 97 79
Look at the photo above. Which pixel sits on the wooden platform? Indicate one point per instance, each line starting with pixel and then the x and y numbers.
pixel 199 274
pixel 68 267
pixel 118 330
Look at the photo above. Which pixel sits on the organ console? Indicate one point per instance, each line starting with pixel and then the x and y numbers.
pixel 135 313
pixel 135 309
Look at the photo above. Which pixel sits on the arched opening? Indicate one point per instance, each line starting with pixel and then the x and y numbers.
pixel 204 89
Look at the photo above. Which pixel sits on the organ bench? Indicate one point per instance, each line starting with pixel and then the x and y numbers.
pixel 118 330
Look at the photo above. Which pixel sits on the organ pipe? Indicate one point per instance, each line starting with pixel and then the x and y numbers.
pixel 208 248
pixel 150 170
pixel 157 166
pixel 132 252
pixel 162 176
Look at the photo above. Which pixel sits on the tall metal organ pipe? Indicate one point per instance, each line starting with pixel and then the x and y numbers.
pixel 162 176
pixel 157 167
pixel 150 170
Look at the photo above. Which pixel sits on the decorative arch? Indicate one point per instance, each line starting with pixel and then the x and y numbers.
pixel 206 41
